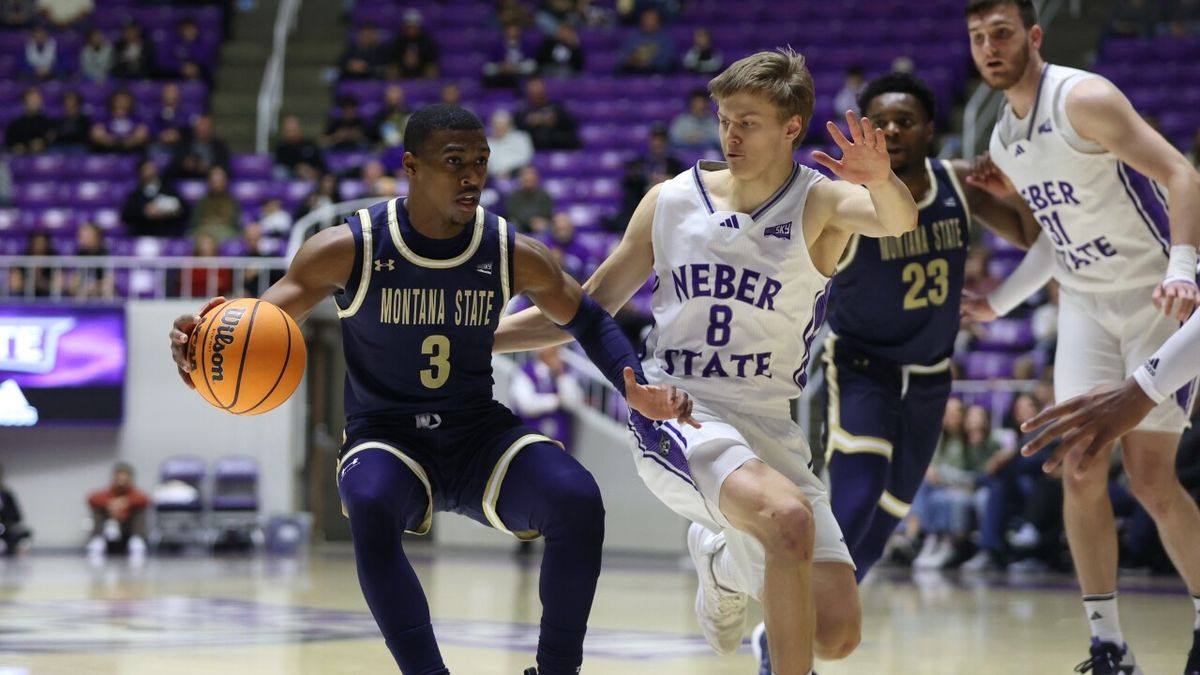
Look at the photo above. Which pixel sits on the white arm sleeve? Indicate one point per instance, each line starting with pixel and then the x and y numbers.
pixel 1175 363
pixel 1035 270
pixel 527 401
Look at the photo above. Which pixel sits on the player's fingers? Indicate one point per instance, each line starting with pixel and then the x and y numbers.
pixel 1168 302
pixel 1089 453
pixel 868 130
pixel 827 162
pixel 1052 413
pixel 838 137
pixel 630 380
pixel 212 302
pixel 856 129
pixel 1061 428
pixel 187 379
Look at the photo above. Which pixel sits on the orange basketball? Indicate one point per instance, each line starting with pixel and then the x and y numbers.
pixel 247 356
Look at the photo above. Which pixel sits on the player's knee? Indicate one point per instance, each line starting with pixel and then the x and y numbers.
pixel 576 502
pixel 839 641
pixel 789 529
pixel 1090 485
pixel 1155 492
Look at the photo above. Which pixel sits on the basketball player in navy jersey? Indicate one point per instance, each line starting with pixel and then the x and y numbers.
pixel 893 310
pixel 420 283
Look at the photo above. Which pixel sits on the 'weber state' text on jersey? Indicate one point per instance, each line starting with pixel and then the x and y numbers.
pixel 737 300
pixel 419 315
pixel 1108 223
pixel 898 297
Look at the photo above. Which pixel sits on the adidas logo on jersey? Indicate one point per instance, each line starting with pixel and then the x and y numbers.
pixel 381 265
pixel 731 222
pixel 1152 367
pixel 15 410
pixel 783 231
pixel 1019 151
pixel 1044 128
pixel 485 268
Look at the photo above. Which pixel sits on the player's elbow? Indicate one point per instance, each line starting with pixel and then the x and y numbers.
pixel 899 226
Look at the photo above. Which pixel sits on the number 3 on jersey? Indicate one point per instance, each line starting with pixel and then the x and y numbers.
pixel 437 348
pixel 916 274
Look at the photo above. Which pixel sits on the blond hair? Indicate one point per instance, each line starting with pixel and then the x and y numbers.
pixel 780 76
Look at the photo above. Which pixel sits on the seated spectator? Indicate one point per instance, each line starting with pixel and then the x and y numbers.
pixel 295 155
pixel 702 57
pixel 64 13
pixel 450 94
pixel 1133 18
pixel 643 173
pixel 32 130
pixel 188 51
pixel 376 181
pixel 14 534
pixel 847 96
pixel 554 13
pixel 509 61
pixel 17 13
pixel 199 152
pixel 87 281
pixel 1180 19
pixel 217 213
pixel 548 123
pixel 325 194
pixel 511 148
pixel 414 53
pixel 560 54
pixel 41 53
pixel 346 130
pixel 650 49
pixel 35 282
pixel 205 282
pixel 96 57
pixel 696 129
pixel 134 55
pixel 256 280
pixel 943 505
pixel 543 391
pixel 71 131
pixel 978 280
pixel 123 132
pixel 389 124
pixel 273 219
pixel 529 205
pixel 118 516
pixel 171 125
pixel 152 209
pixel 366 58
pixel 574 258
pixel 513 12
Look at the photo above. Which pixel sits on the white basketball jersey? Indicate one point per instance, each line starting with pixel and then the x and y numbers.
pixel 737 300
pixel 1108 223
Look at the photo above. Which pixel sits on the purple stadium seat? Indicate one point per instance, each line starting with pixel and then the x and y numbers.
pixel 38 195
pixel 1006 335
pixel 235 484
pixel 190 470
pixel 10 222
pixel 988 365
pixel 191 190
pixel 252 193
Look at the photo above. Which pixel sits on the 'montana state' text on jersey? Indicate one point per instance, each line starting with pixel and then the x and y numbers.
pixel 1108 223
pixel 737 300
pixel 898 297
pixel 419 315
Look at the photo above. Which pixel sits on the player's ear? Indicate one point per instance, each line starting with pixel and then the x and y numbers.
pixel 410 164
pixel 793 126
pixel 929 131
pixel 1035 36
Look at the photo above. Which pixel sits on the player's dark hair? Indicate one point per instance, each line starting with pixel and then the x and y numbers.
pixel 898 83
pixel 431 118
pixel 1025 7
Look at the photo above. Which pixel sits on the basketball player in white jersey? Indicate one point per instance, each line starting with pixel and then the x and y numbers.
pixel 743 251
pixel 1101 182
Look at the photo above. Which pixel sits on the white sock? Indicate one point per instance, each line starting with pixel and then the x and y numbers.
pixel 722 567
pixel 1103 619
pixel 1196 604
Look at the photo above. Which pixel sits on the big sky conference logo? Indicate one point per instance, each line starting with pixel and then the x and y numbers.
pixel 27 345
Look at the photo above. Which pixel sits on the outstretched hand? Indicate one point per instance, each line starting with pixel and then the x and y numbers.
pixel 1177 299
pixel 181 332
pixel 1088 424
pixel 864 158
pixel 988 177
pixel 977 308
pixel 658 402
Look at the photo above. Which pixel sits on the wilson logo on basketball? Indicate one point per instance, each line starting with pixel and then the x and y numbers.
pixel 224 337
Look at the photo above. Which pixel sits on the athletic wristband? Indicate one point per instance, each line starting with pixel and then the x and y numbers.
pixel 1174 365
pixel 1182 265
pixel 603 342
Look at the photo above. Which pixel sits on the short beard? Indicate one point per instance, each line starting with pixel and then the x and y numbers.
pixel 1019 71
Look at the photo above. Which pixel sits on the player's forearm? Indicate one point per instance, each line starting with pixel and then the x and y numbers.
pixel 1174 365
pixel 1036 268
pixel 894 206
pixel 1184 206
pixel 527 330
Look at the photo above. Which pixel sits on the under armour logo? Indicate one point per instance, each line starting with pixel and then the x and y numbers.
pixel 388 264
pixel 429 421
pixel 485 268
pixel 346 469
pixel 1152 366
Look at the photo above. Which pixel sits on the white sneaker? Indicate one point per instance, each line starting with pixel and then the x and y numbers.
pixel 929 551
pixel 97 547
pixel 721 613
pixel 982 561
pixel 137 546
pixel 1026 537
pixel 943 554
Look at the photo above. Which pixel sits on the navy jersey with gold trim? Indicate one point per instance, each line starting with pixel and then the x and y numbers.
pixel 898 297
pixel 419 315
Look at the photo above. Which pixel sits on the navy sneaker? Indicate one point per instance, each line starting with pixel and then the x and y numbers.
pixel 1193 664
pixel 1109 659
pixel 531 671
pixel 758 643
